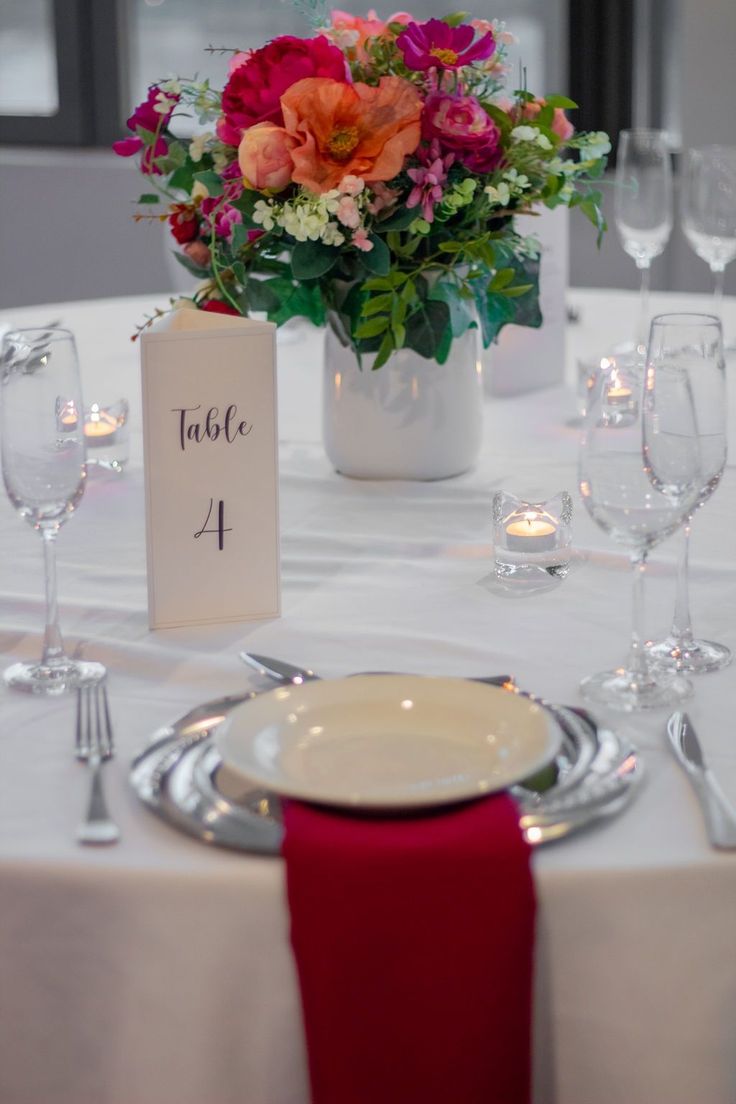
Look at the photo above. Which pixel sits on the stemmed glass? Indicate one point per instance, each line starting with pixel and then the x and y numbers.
pixel 643 206
pixel 43 464
pixel 693 343
pixel 709 209
pixel 622 499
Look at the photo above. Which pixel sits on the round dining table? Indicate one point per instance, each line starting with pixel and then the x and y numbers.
pixel 159 970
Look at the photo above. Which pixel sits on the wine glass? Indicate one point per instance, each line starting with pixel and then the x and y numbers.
pixel 709 209
pixel 622 499
pixel 694 344
pixel 43 465
pixel 643 206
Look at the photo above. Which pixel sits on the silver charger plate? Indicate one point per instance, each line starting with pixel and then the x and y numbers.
pixel 181 777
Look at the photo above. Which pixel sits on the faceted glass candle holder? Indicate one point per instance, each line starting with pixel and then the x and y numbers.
pixel 532 538
pixel 106 434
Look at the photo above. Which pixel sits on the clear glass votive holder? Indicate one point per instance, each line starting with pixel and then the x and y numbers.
pixel 620 379
pixel 587 367
pixel 106 435
pixel 532 538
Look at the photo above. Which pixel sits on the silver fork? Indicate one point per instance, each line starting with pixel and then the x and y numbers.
pixel 94 744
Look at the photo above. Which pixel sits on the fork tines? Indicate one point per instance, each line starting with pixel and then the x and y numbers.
pixel 93 729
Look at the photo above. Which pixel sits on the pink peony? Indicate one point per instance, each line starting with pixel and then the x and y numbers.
pixel 253 91
pixel 436 45
pixel 264 156
pixel 460 125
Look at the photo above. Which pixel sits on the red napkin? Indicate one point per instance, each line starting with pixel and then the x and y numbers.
pixel 413 940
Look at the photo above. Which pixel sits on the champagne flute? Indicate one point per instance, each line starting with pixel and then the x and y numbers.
pixel 643 206
pixel 622 499
pixel 709 210
pixel 43 465
pixel 694 344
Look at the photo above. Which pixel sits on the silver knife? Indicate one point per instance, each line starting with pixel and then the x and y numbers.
pixel 280 671
pixel 720 816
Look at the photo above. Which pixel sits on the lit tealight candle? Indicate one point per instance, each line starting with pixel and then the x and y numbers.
pixel 99 427
pixel 618 394
pixel 68 417
pixel 531 533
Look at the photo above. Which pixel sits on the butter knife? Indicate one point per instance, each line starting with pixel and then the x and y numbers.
pixel 720 816
pixel 280 671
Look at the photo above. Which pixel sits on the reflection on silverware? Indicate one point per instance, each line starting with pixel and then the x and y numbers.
pixel 94 745
pixel 720 816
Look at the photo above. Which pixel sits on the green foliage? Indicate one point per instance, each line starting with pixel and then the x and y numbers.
pixel 310 260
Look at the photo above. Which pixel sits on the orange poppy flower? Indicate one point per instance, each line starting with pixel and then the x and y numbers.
pixel 350 129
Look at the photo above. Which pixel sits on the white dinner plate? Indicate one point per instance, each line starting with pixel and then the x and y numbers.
pixel 387 741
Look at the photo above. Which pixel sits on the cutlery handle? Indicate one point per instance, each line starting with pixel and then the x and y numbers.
pixel 97 827
pixel 720 817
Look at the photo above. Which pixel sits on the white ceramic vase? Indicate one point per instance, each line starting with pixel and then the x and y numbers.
pixel 411 419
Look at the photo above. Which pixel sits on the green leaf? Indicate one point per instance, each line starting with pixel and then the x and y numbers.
pixel 385 350
pixel 399 220
pixel 460 310
pixel 501 279
pixel 454 19
pixel 452 247
pixel 379 258
pixel 182 179
pixel 425 327
pixel 211 182
pixel 310 260
pixel 377 304
pixel 260 297
pixel 148 197
pixel 239 236
pixel 295 299
pixel 515 292
pixel 559 101
pixel 371 327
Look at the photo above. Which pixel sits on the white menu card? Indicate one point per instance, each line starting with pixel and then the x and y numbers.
pixel 211 469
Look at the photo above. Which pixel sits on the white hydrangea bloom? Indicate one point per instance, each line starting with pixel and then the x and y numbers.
pixel 263 214
pixel 499 195
pixel 172 86
pixel 198 145
pixel 597 145
pixel 516 180
pixel 331 234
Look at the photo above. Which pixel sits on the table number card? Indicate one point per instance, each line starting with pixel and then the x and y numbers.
pixel 211 469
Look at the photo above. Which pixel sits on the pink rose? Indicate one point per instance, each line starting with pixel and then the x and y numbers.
pixel 560 125
pixel 264 156
pixel 459 124
pixel 254 89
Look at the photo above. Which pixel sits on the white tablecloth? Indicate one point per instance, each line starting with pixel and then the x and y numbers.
pixel 159 971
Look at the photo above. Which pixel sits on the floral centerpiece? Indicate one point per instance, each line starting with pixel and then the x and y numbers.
pixel 366 176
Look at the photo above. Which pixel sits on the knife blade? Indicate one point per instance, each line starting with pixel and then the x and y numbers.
pixel 277 669
pixel 719 814
pixel 280 671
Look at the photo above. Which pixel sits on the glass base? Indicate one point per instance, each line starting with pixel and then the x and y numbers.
pixel 621 689
pixel 695 656
pixel 53 679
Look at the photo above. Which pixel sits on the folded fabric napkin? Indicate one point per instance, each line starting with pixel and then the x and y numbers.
pixel 413 940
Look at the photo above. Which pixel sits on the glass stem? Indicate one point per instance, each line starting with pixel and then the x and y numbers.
pixel 642 336
pixel 638 664
pixel 682 629
pixel 53 645
pixel 719 277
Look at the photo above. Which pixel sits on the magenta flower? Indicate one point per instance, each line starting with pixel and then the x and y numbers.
pixel 146 117
pixel 429 180
pixel 225 216
pixel 436 45
pixel 459 124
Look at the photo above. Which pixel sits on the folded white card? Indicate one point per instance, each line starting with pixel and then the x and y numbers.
pixel 211 469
